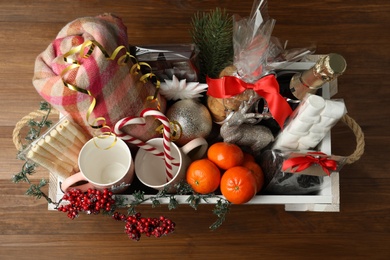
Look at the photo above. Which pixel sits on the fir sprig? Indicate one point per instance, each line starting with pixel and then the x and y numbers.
pixel 183 188
pixel 35 191
pixel 221 209
pixel 212 33
pixel 28 168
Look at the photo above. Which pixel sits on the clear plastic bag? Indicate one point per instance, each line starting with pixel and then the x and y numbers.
pixel 256 52
pixel 57 149
pixel 284 180
pixel 310 122
pixel 168 60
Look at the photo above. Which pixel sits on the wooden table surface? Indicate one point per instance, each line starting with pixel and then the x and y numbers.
pixel 359 30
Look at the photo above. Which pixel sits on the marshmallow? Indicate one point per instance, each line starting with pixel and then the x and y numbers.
pixel 334 109
pixel 297 125
pixel 287 140
pixel 311 106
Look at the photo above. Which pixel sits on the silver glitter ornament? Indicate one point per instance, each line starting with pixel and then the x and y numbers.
pixel 193 118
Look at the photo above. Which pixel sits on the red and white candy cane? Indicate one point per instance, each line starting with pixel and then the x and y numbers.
pixel 166 137
pixel 130 139
pixel 139 143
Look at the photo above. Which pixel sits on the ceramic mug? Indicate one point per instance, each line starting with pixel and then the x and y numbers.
pixel 150 169
pixel 102 166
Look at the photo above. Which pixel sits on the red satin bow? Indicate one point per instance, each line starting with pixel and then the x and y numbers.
pixel 267 87
pixel 297 164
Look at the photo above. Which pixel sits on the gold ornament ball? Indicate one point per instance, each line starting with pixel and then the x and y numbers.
pixel 193 117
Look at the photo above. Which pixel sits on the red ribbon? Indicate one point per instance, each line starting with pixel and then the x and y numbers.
pixel 297 164
pixel 267 87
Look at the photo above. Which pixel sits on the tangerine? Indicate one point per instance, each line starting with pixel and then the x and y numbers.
pixel 203 176
pixel 225 155
pixel 238 185
pixel 248 157
pixel 257 173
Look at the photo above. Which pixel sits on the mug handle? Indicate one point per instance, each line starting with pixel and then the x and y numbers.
pixel 198 143
pixel 65 185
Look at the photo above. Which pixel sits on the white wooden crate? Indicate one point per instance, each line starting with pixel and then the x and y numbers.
pixel 328 199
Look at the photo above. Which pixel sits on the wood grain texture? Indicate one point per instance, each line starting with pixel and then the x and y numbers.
pixel 359 30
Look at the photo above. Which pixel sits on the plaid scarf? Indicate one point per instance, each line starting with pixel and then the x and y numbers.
pixel 118 93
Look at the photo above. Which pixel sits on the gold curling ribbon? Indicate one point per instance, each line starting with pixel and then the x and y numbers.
pixel 122 60
pixel 176 130
pixel 85 50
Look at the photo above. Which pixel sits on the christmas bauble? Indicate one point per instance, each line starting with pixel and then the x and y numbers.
pixel 193 118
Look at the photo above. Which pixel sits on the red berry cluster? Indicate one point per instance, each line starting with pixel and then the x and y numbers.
pixel 137 225
pixel 90 202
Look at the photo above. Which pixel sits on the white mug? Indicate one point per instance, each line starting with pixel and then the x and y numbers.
pixel 104 163
pixel 150 169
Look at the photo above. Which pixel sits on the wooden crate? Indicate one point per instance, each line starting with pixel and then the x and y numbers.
pixel 328 199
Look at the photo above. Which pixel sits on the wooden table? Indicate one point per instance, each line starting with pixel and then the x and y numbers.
pixel 359 30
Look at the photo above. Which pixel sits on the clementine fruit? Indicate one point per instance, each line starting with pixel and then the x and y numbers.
pixel 248 157
pixel 238 185
pixel 225 155
pixel 203 176
pixel 257 173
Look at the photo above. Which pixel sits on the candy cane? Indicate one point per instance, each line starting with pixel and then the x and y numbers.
pixel 166 138
pixel 139 143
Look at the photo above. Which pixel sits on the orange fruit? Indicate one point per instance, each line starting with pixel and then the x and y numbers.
pixel 203 176
pixel 257 173
pixel 225 155
pixel 248 157
pixel 238 185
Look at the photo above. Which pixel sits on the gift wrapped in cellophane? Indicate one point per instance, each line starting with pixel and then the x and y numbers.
pixel 297 173
pixel 256 55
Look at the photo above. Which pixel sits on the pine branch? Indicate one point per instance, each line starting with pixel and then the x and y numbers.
pixel 221 209
pixel 28 168
pixel 35 191
pixel 182 188
pixel 212 33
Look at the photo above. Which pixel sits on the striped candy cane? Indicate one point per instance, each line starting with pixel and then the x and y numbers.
pixel 166 138
pixel 139 143
pixel 130 139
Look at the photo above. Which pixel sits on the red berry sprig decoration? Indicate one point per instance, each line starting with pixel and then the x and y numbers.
pixel 137 225
pixel 95 201
pixel 91 202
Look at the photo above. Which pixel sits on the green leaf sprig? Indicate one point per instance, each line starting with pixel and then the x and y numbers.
pixel 183 188
pixel 28 168
pixel 212 34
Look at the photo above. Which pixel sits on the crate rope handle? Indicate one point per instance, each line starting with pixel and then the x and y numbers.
pixel 360 143
pixel 23 122
pixel 350 122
